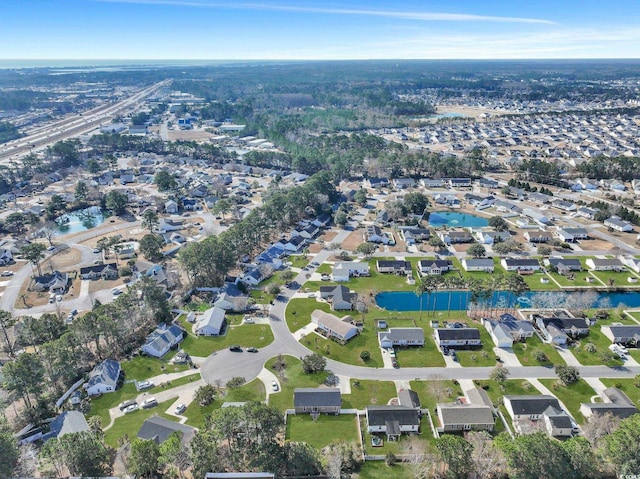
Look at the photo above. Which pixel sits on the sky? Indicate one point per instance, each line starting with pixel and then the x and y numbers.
pixel 318 29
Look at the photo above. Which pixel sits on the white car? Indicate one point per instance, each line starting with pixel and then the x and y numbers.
pixel 274 385
pixel 130 408
pixel 6 273
pixel 249 321
pixel 145 385
pixel 116 291
pixel 180 408
pixel 147 403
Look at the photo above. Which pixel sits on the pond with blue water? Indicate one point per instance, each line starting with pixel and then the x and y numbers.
pixel 460 300
pixel 80 220
pixel 456 219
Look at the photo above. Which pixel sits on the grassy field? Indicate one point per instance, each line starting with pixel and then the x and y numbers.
pixel 145 367
pixel 626 386
pixel 365 393
pixel 534 283
pixel 526 352
pixel 572 396
pixel 130 424
pixel 257 335
pixel 619 279
pixel 379 470
pixel 298 312
pixel 290 378
pixel 580 279
pixel 601 355
pixel 635 354
pixel 511 387
pixel 100 406
pixel 298 260
pixel 433 392
pixel 253 391
pixel 325 430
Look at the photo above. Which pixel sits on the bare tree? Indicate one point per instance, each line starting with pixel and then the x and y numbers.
pixel 422 464
pixel 488 460
pixel 599 426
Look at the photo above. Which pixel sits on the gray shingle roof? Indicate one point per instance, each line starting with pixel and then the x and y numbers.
pixel 321 397
pixel 380 415
pixel 158 429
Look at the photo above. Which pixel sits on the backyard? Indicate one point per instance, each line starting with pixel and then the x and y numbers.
pixel 528 351
pixel 325 430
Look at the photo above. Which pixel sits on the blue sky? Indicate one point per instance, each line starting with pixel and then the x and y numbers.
pixel 347 29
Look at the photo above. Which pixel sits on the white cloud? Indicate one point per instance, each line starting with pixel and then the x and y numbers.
pixel 402 15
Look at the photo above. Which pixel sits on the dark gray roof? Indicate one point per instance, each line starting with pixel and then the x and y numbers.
pixel 526 405
pixel 106 372
pixel 617 410
pixel 571 263
pixel 627 331
pixel 479 262
pixel 566 323
pixel 402 334
pixel 616 396
pixel 320 397
pixel 380 415
pixel 521 262
pixel 408 398
pixel 68 422
pixel 458 333
pixel 158 429
pixel 466 414
pixel 398 264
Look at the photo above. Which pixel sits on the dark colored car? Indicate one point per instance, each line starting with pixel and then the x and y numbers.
pixel 252 350
pixel 235 348
pixel 125 404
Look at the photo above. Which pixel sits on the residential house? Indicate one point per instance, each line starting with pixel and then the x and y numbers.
pixel 6 256
pixel 138 130
pixel 459 182
pixel 166 225
pixel 375 183
pixel 408 398
pixel 340 297
pixel 103 378
pixel 293 245
pixel 564 265
pixel 447 199
pixel 334 327
pixel 627 335
pixel 161 340
pixel 69 422
pixel 473 413
pixel 414 234
pixel 317 400
pixel 373 234
pixel 158 430
pixel 507 207
pixel 537 236
pixel 457 337
pixel 507 330
pixel 520 264
pixel 211 323
pixel 455 236
pixel 253 277
pixel 485 265
pixel 480 202
pixel 272 256
pixel 342 271
pixel 631 262
pixel 231 299
pixel 55 282
pixel 605 264
pixel 171 207
pixel 589 213
pixel 127 178
pixel 536 215
pixel 322 221
pixel 100 271
pixel 491 237
pixel 564 205
pixel 434 266
pixel 558 330
pixel 393 266
pixel 614 402
pixel 403 183
pixel 432 183
pixel 487 183
pixel 401 337
pixel 382 219
pixel 526 411
pixel 615 223
pixel 392 420
pixel 307 232
pixel 569 235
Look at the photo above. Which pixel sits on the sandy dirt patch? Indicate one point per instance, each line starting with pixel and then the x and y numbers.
pixel 65 259
pixel 100 284
pixel 595 245
pixel 328 237
pixel 354 240
pixel 315 248
pixel 189 135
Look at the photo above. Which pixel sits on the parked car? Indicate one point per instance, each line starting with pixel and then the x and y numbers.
pixel 126 404
pixel 145 385
pixel 116 291
pixel 180 408
pixel 6 273
pixel 325 277
pixel 252 350
pixel 96 250
pixel 274 385
pixel 131 408
pixel 235 348
pixel 148 403
pixel 249 321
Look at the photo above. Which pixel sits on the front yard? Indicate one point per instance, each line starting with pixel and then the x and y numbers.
pixel 527 352
pixel 571 396
pixel 130 424
pixel 594 350
pixel 145 367
pixel 625 385
pixel 478 357
pixel 291 377
pixel 246 335
pixel 368 393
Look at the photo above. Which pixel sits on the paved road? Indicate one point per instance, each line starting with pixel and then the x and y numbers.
pixel 223 365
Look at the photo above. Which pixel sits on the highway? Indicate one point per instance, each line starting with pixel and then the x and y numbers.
pixel 73 126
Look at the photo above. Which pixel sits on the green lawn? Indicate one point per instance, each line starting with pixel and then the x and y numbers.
pixel 130 424
pixel 253 391
pixel 257 335
pixel 534 283
pixel 572 396
pixel 298 260
pixel 325 430
pixel 635 354
pixel 144 367
pixel 324 268
pixel 511 387
pixel 290 378
pixel 478 357
pixel 298 312
pixel 100 405
pixel 433 392
pixel 367 392
pixel 620 279
pixel 636 315
pixel 526 352
pixel 379 470
pixel 601 356
pixel 580 279
pixel 626 386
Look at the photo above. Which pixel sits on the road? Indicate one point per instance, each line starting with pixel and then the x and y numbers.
pixel 223 365
pixel 72 126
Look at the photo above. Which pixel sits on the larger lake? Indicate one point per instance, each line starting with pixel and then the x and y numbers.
pixel 460 300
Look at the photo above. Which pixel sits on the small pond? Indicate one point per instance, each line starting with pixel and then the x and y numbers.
pixel 80 220
pixel 456 219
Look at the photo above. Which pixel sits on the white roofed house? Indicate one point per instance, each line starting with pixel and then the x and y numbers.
pixel 161 340
pixel 171 207
pixel 585 212
pixel 615 223
pixel 451 236
pixel 569 235
pixel 537 236
pixel 536 215
pixel 103 378
pixel 211 323
pixel 401 337
pixel 605 264
pixel 491 237
pixel 332 326
pixel 342 271
pixel 631 262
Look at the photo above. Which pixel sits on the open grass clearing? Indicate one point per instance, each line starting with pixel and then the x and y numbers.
pixel 572 395
pixel 325 430
pixel 246 335
pixel 368 393
pixel 579 279
pixel 527 352
pixel 379 470
pixel 535 284
pixel 145 367
pixel 618 279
